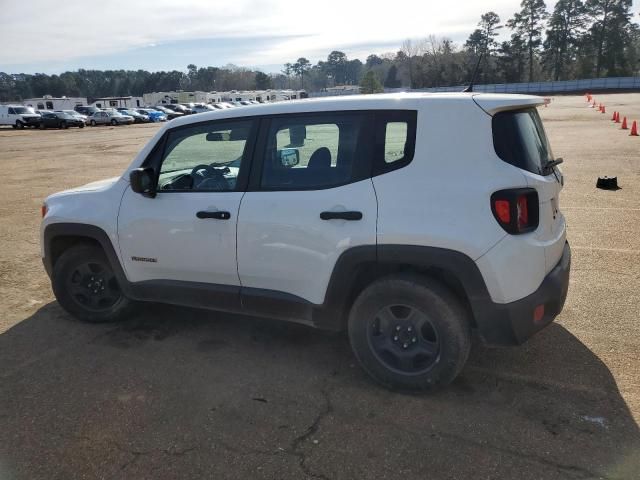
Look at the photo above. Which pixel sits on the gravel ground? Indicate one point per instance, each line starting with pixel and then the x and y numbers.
pixel 176 393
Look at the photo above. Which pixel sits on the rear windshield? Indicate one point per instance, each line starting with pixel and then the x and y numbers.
pixel 519 139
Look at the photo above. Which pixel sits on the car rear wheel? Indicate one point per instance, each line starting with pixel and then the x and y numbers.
pixel 19 124
pixel 86 286
pixel 114 122
pixel 64 125
pixel 409 333
pixel 81 125
pixel 93 123
pixel 41 126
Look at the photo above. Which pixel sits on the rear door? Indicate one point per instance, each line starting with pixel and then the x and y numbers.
pixel 310 199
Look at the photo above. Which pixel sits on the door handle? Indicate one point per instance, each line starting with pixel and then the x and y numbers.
pixel 341 215
pixel 216 215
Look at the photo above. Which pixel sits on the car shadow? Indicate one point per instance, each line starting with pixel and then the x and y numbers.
pixel 180 393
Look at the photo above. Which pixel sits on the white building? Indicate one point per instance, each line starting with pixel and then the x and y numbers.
pixel 118 102
pixel 161 98
pixel 54 103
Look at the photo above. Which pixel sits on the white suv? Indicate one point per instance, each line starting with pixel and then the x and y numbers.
pixel 412 220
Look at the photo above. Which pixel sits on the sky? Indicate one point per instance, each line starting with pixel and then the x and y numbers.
pixel 49 36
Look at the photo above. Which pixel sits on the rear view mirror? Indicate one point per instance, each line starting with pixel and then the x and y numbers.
pixel 218 137
pixel 143 181
pixel 297 134
pixel 289 157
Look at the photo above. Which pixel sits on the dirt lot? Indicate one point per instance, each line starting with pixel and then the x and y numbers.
pixel 187 394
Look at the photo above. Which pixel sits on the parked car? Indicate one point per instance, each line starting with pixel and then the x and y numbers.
pixel 171 114
pixel 203 108
pixel 75 114
pixel 224 105
pixel 87 110
pixel 59 120
pixel 18 116
pixel 360 214
pixel 137 116
pixel 109 118
pixel 154 115
pixel 178 108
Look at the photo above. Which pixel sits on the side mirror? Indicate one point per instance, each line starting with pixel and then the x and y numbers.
pixel 289 157
pixel 143 181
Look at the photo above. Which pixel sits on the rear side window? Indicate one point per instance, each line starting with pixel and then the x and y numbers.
pixel 395 140
pixel 520 140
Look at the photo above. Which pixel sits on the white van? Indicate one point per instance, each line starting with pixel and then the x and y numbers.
pixel 18 116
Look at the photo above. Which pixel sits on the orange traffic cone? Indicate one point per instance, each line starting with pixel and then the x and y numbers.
pixel 602 109
pixel 634 129
pixel 617 117
pixel 624 123
pixel 613 119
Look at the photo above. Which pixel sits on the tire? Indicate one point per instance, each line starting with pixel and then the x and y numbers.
pixel 81 125
pixel 93 123
pixel 41 126
pixel 85 286
pixel 409 333
pixel 19 125
pixel 114 122
pixel 64 125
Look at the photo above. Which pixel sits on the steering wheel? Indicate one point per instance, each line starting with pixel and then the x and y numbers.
pixel 210 171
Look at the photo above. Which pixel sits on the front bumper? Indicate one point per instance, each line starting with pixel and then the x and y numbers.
pixel 513 323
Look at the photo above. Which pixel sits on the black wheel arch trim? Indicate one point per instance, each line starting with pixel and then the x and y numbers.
pixel 393 258
pixel 81 230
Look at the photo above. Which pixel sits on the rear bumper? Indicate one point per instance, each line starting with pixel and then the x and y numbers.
pixel 513 323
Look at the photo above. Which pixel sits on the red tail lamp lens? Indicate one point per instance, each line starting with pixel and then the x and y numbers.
pixel 502 211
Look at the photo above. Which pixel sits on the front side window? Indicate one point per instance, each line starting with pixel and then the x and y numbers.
pixel 312 152
pixel 204 157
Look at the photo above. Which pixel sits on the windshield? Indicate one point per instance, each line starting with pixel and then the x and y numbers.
pixel 22 110
pixel 520 140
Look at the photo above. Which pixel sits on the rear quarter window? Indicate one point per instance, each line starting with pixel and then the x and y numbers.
pixel 520 140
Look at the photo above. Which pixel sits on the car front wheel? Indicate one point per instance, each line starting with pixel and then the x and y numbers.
pixel 86 286
pixel 410 333
pixel 114 122
pixel 19 124
pixel 93 123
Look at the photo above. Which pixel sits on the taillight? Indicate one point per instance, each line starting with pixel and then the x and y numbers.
pixel 43 209
pixel 516 209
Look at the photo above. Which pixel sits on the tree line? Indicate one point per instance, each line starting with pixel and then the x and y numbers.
pixel 577 39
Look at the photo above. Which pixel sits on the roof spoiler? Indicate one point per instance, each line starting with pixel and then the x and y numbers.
pixel 494 103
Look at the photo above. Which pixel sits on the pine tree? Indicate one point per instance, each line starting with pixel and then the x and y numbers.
pixel 566 27
pixel 528 24
pixel 609 35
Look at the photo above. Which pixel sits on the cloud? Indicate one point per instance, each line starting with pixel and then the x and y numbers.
pixel 81 32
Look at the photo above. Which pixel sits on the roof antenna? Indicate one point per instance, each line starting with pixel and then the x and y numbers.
pixel 475 74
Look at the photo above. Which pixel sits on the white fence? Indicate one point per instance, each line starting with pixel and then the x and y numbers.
pixel 565 86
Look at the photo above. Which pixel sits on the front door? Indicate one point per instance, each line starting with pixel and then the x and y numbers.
pixel 187 233
pixel 311 198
